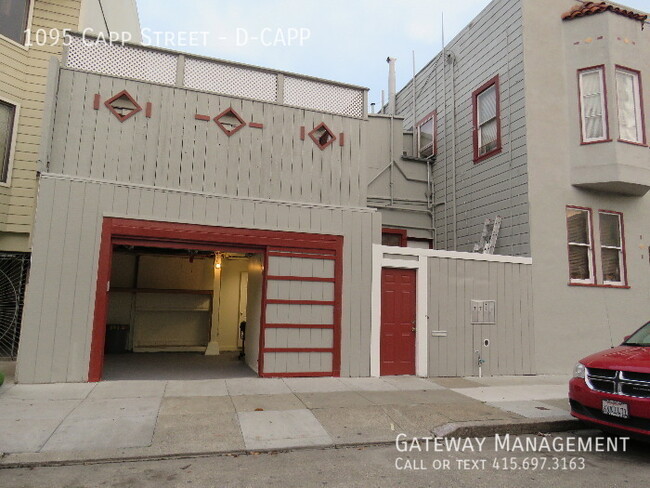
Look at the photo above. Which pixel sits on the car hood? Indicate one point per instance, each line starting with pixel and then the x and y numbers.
pixel 627 358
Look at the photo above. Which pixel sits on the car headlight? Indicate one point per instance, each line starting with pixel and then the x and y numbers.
pixel 579 370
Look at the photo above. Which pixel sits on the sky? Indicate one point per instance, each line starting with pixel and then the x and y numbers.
pixel 342 40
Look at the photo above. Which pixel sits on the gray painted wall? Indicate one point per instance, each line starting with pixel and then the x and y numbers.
pixel 173 150
pixel 488 46
pixel 453 283
pixel 57 324
pixel 574 321
pixel 396 186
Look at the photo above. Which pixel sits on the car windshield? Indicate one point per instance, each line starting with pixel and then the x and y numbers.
pixel 640 338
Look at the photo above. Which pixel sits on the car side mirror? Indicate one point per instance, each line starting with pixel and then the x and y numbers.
pixel 626 337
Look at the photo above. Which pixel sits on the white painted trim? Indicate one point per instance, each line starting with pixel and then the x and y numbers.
pixel 380 261
pixel 12 142
pixel 467 256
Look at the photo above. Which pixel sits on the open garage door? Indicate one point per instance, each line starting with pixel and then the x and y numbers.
pixel 293 302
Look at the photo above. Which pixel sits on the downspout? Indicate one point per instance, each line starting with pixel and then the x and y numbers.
pixel 453 147
pixel 512 242
pixel 415 143
pixel 391 112
pixel 444 97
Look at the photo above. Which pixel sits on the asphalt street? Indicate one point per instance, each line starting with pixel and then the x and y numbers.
pixel 486 463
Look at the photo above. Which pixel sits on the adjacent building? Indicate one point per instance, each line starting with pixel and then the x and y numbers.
pixel 536 113
pixel 31 32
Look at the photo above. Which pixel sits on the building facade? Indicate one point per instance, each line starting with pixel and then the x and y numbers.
pixel 31 32
pixel 535 113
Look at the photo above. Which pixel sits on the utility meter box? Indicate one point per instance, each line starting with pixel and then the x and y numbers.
pixel 484 312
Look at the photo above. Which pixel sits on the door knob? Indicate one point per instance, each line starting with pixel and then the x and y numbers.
pixel 412 329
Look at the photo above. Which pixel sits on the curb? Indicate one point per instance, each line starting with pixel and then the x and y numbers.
pixel 486 428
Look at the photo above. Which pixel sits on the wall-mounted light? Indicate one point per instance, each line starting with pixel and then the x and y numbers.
pixel 217 260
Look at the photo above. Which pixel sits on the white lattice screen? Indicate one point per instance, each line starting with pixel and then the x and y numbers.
pixel 230 80
pixel 118 60
pixel 215 76
pixel 323 96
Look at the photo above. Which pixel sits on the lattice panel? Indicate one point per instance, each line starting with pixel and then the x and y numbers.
pixel 123 61
pixel 230 80
pixel 323 96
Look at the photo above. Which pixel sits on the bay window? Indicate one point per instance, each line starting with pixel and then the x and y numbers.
pixel 593 108
pixel 630 108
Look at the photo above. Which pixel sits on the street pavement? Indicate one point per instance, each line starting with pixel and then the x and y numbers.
pixel 372 466
pixel 113 420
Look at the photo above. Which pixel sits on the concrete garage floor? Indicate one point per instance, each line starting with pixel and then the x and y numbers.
pixel 174 366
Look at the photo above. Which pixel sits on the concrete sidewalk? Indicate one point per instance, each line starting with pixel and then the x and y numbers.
pixel 148 419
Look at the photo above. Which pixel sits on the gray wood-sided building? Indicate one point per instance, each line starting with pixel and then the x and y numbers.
pixel 152 185
pixel 537 112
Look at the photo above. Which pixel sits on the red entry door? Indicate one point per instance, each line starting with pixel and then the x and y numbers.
pixel 397 343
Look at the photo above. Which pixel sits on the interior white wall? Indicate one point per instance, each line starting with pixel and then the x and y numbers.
pixel 228 314
pixel 254 310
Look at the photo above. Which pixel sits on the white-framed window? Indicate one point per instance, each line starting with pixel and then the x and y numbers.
pixel 593 108
pixel 426 134
pixel 581 249
pixel 487 137
pixel 612 251
pixel 14 19
pixel 630 108
pixel 8 127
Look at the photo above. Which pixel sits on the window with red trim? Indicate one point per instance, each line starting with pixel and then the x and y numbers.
pixel 426 134
pixel 581 248
pixel 612 251
pixel 393 237
pixel 593 105
pixel 630 106
pixel 487 122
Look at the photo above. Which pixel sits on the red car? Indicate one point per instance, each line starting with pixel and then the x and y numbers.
pixel 611 389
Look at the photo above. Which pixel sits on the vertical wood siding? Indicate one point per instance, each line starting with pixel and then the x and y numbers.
pixel 453 283
pixel 498 185
pixel 58 318
pixel 172 149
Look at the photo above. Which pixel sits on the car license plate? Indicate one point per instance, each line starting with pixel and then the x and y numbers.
pixel 615 409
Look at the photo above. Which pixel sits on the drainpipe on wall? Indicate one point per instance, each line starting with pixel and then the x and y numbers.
pixel 391 112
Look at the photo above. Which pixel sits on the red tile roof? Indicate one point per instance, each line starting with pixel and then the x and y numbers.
pixel 591 8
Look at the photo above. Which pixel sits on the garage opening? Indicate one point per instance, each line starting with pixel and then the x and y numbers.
pixel 170 295
pixel 182 313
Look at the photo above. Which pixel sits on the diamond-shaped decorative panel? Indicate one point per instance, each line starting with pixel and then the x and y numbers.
pixel 123 105
pixel 229 121
pixel 322 135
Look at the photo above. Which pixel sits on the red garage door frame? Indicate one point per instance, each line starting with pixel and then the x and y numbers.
pixel 179 235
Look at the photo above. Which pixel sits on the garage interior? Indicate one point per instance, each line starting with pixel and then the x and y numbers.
pixel 177 313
